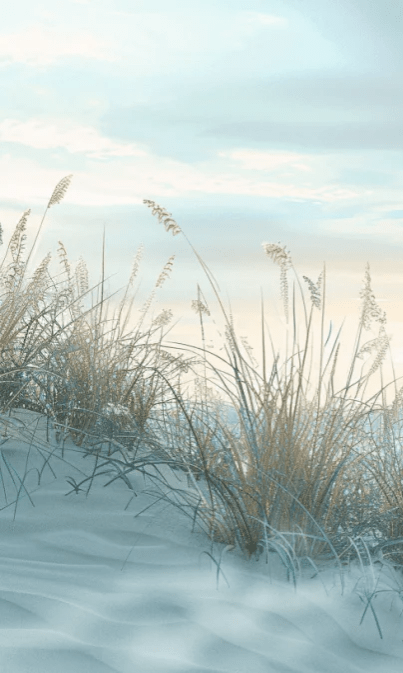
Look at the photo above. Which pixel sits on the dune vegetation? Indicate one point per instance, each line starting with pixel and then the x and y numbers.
pixel 311 480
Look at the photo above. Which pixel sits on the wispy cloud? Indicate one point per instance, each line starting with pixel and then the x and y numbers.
pixel 42 134
pixel 267 161
pixel 38 45
pixel 267 19
pixel 133 171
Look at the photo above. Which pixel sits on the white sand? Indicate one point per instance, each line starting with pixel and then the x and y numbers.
pixel 66 605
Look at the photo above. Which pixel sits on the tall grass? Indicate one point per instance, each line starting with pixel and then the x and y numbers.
pixel 303 478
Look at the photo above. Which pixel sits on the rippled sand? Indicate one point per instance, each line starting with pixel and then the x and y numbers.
pixel 67 605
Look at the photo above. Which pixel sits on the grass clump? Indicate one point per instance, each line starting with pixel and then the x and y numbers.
pixel 309 479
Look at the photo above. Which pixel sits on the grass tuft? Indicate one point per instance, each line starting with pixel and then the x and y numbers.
pixel 310 478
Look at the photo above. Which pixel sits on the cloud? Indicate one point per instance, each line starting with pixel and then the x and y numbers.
pixel 42 46
pixel 75 139
pixel 313 136
pixel 133 172
pixel 267 19
pixel 117 182
pixel 267 161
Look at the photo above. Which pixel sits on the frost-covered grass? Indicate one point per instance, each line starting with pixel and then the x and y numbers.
pixel 308 479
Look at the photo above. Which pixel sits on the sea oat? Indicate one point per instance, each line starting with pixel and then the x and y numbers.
pixel 283 258
pixel 163 318
pixel 81 274
pixel 60 190
pixel 136 263
pixel 169 223
pixel 277 253
pixel 172 360
pixel 16 246
pixel 397 402
pixel 18 238
pixel 165 271
pixel 314 290
pixel 56 197
pixel 383 344
pixel 370 308
pixel 38 282
pixel 199 307
pixel 161 278
pixel 368 347
pixel 65 261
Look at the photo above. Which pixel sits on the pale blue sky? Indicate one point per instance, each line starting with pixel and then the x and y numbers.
pixel 249 120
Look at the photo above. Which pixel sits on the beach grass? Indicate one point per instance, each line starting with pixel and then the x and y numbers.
pixel 309 479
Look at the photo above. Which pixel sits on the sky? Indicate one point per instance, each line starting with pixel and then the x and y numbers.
pixel 250 121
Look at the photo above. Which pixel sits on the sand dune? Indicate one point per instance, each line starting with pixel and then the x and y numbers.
pixel 69 602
